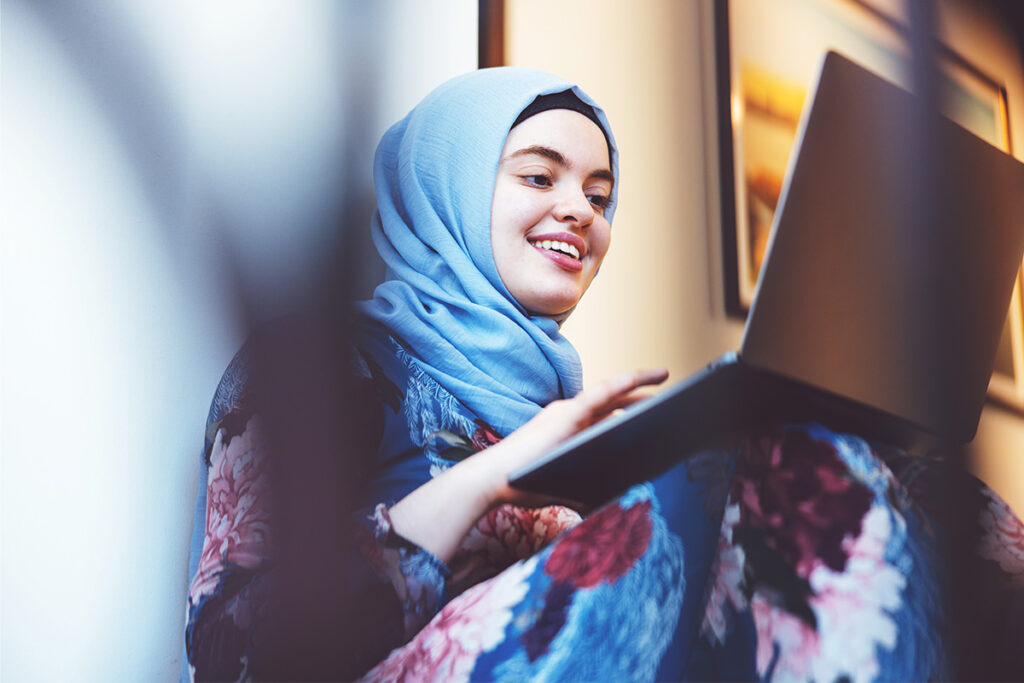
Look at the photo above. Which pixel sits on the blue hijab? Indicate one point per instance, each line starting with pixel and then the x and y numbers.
pixel 443 300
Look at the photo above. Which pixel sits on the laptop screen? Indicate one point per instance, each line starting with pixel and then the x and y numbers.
pixel 893 255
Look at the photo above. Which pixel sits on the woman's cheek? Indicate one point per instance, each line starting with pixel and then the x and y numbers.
pixel 601 240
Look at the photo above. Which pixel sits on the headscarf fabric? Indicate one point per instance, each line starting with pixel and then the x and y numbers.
pixel 443 299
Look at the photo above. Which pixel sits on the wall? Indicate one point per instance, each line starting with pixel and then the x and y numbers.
pixel 658 299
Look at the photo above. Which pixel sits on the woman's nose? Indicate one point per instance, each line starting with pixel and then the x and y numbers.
pixel 574 207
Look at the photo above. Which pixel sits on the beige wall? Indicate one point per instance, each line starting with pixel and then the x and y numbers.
pixel 658 299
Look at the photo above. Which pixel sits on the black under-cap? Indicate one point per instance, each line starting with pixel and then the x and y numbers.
pixel 566 99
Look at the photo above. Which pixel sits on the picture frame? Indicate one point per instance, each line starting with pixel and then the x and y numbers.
pixel 490 33
pixel 766 56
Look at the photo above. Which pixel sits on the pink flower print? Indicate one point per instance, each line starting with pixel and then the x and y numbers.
pixel 853 610
pixel 728 578
pixel 797 642
pixel 484 436
pixel 471 624
pixel 602 548
pixel 506 534
pixel 237 519
pixel 854 607
pixel 510 533
pixel 550 521
pixel 1002 539
pixel 799 493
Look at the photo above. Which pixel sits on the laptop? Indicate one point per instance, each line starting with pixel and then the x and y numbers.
pixel 879 307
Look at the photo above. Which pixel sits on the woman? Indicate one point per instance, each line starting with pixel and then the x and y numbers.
pixel 495 201
pixel 491 232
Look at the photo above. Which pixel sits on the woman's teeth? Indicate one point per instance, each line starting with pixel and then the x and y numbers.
pixel 563 247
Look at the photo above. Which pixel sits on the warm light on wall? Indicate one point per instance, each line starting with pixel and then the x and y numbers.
pixel 737 110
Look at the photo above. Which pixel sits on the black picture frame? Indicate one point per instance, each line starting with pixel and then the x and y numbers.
pixel 726 160
pixel 490 33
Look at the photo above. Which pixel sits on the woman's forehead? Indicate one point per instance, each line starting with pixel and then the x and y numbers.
pixel 564 136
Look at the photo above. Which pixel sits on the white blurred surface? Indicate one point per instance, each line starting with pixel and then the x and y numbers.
pixel 107 352
pixel 141 144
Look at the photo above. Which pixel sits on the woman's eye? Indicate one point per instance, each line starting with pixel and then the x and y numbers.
pixel 538 180
pixel 600 201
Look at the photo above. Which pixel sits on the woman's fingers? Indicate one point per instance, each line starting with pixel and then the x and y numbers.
pixel 604 396
pixel 562 419
pixel 649 377
pixel 623 402
pixel 628 400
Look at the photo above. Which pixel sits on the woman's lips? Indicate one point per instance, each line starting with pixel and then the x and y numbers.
pixel 567 237
pixel 555 245
pixel 562 260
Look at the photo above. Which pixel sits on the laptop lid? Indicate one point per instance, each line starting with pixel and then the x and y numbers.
pixel 888 275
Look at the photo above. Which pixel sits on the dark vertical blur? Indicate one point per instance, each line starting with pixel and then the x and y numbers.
pixel 927 205
pixel 303 387
pixel 316 423
pixel 321 449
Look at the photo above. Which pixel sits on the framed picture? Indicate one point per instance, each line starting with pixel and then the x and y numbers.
pixel 766 57
pixel 490 33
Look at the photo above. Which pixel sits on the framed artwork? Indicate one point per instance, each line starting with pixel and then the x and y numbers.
pixel 490 33
pixel 766 56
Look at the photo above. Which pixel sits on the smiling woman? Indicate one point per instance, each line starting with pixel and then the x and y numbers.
pixel 495 201
pixel 548 228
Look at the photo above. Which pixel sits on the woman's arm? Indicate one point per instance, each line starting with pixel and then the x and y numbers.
pixel 438 514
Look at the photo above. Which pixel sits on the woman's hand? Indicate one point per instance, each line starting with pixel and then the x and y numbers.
pixel 440 512
pixel 556 423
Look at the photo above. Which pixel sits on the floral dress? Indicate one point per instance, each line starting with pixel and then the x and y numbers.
pixel 789 553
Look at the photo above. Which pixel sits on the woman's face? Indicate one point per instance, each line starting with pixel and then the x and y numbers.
pixel 548 230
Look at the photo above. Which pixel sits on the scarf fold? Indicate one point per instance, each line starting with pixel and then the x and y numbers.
pixel 443 299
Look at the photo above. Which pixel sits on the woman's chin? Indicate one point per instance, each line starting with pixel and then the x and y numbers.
pixel 553 305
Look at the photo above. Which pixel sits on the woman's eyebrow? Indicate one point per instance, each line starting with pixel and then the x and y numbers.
pixel 604 174
pixel 557 157
pixel 541 150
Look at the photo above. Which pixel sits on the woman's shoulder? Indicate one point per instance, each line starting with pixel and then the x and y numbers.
pixel 380 373
pixel 230 397
pixel 233 385
pixel 368 384
pixel 423 415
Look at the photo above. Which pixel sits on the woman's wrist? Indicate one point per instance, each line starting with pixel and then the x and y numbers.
pixel 487 482
pixel 438 514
